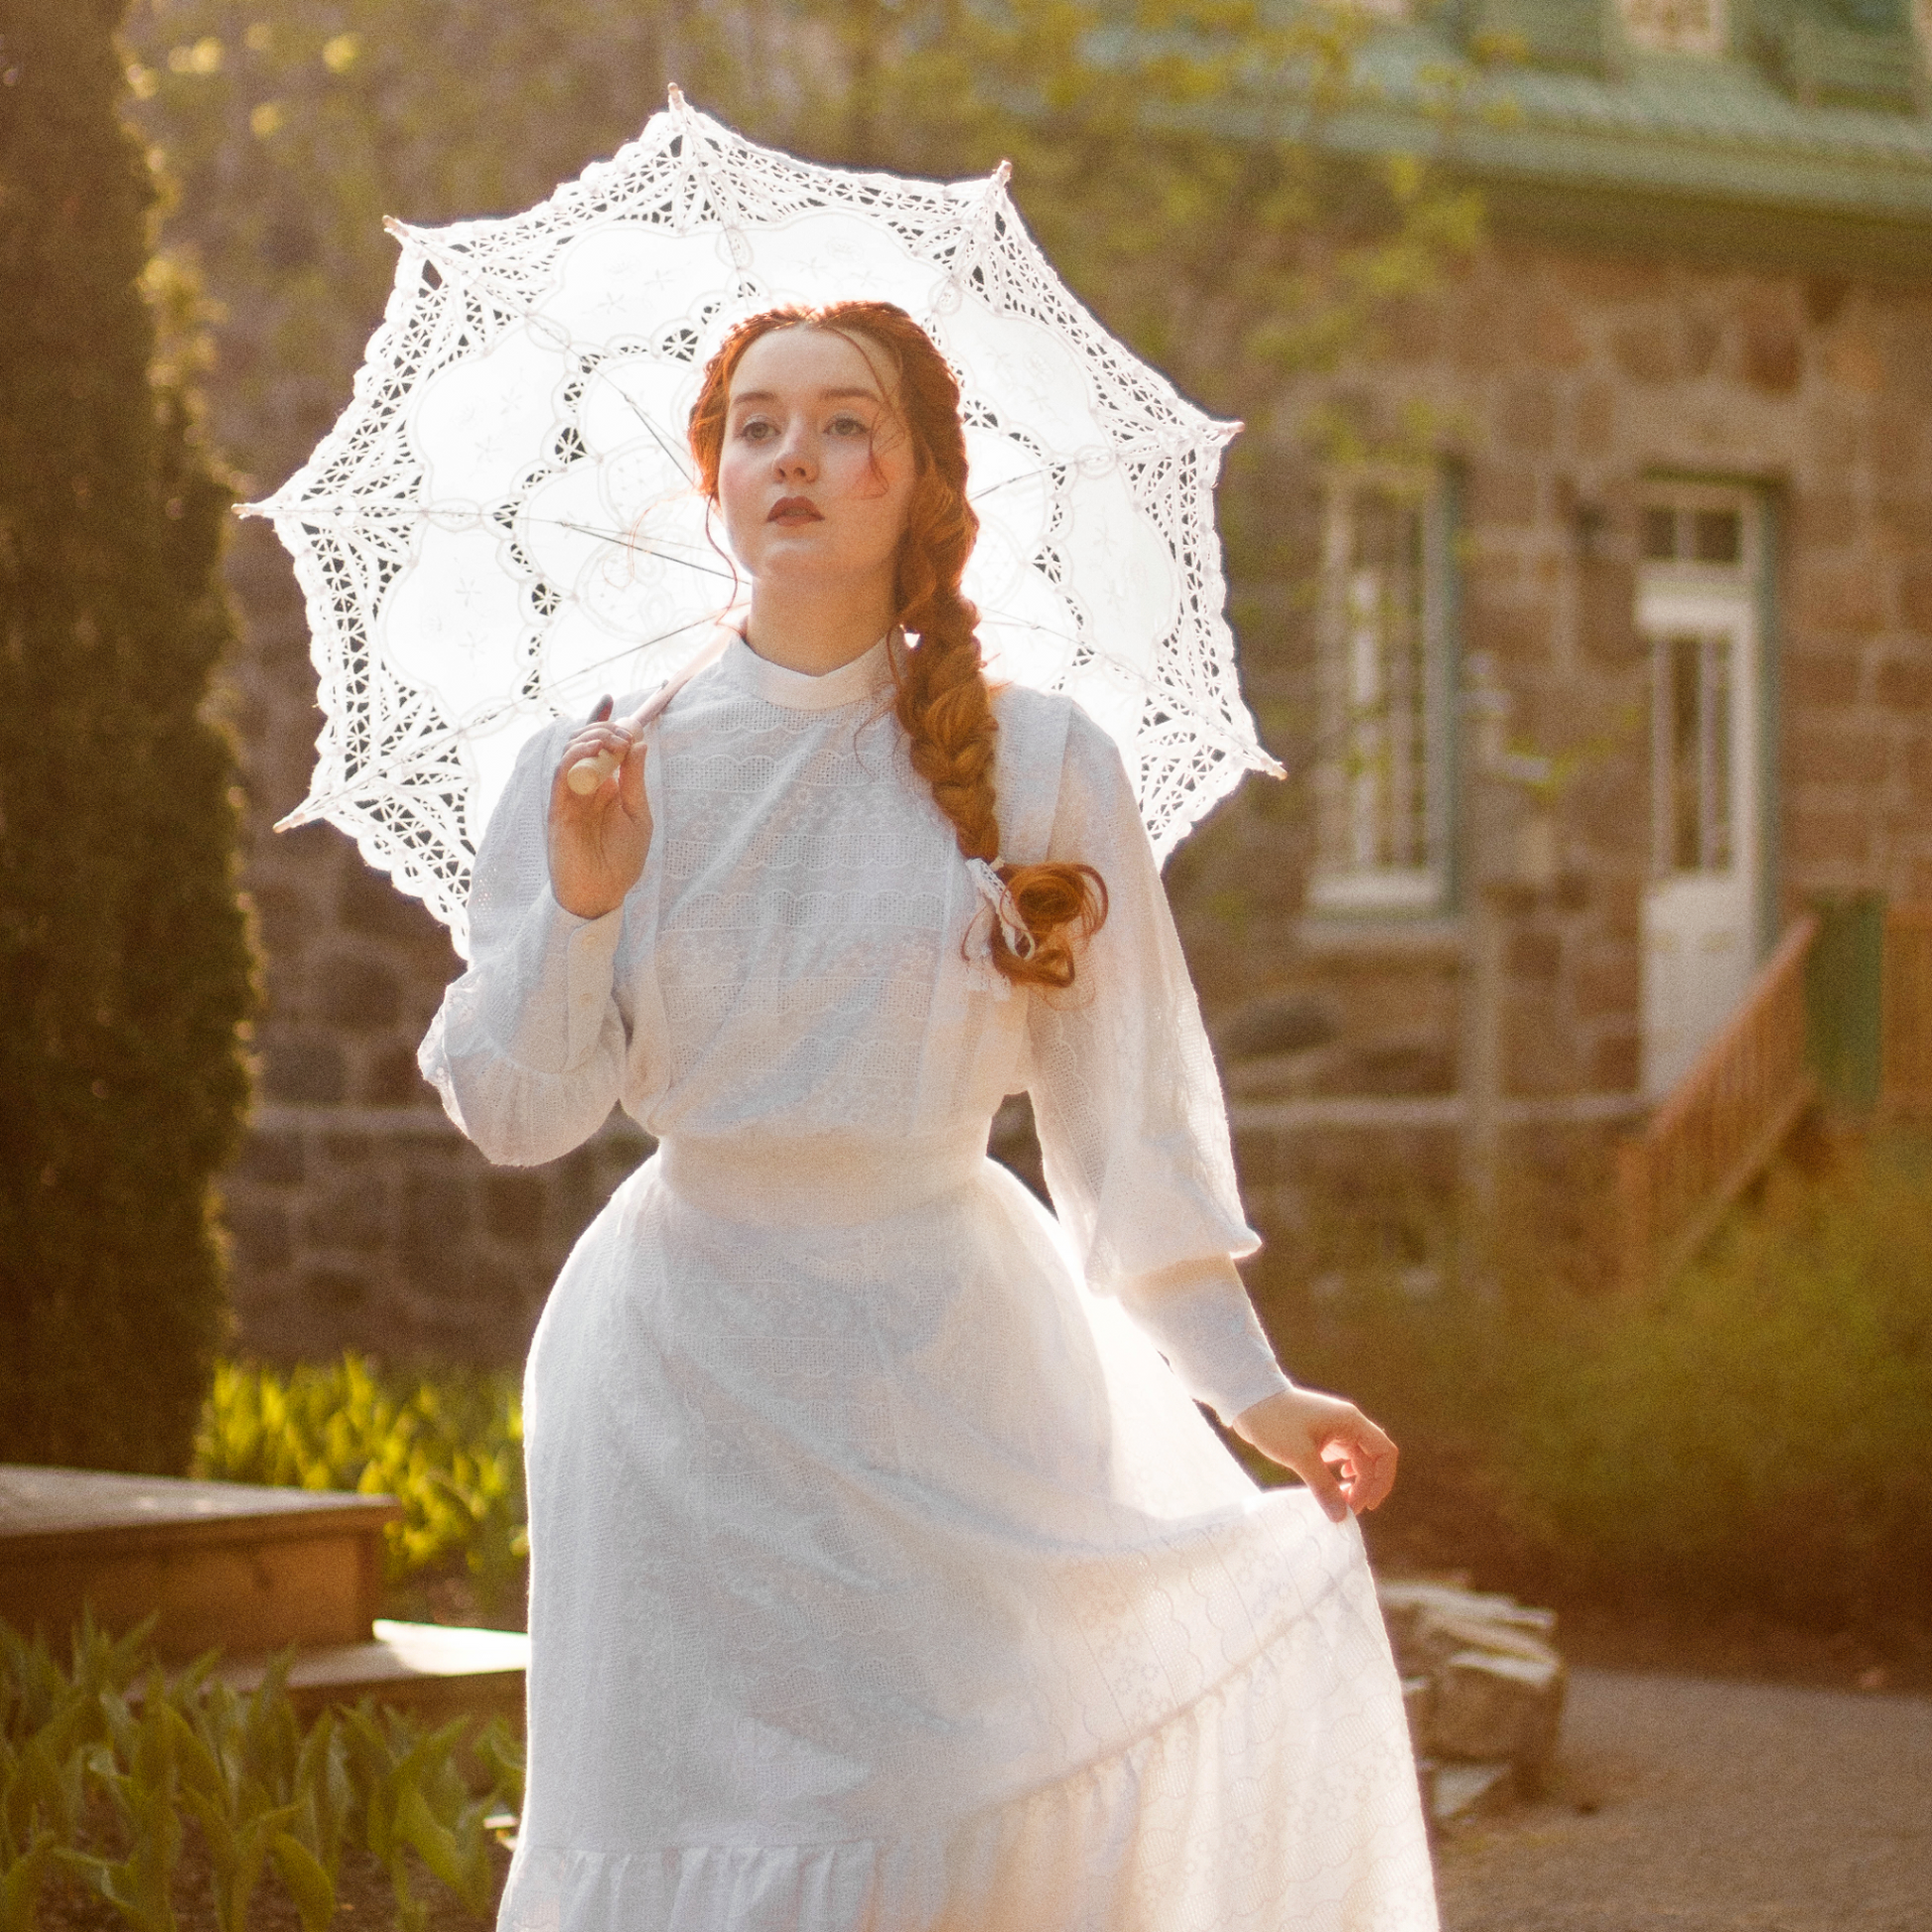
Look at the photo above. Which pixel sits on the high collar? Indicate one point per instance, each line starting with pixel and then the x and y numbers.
pixel 801 690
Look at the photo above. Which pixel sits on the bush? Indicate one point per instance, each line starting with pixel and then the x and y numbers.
pixel 124 964
pixel 1759 1432
pixel 448 1446
pixel 104 1767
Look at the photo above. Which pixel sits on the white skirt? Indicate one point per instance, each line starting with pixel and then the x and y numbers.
pixel 883 1579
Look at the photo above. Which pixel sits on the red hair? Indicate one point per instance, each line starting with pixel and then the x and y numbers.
pixel 944 704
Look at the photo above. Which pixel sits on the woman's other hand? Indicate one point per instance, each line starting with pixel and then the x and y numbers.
pixel 598 841
pixel 1346 1460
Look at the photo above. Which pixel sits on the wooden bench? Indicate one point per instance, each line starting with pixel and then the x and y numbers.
pixel 246 1570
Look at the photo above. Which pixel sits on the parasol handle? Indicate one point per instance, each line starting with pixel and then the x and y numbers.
pixel 587 774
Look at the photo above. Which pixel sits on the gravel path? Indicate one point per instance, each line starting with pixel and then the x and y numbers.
pixel 1685 1804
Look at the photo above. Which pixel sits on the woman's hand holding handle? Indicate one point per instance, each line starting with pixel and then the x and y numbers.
pixel 1346 1460
pixel 599 837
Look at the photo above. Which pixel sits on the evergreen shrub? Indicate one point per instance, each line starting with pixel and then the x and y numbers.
pixel 124 959
pixel 1758 1432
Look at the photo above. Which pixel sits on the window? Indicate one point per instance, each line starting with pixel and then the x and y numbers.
pixel 1698 599
pixel 1381 796
pixel 1691 753
pixel 1675 26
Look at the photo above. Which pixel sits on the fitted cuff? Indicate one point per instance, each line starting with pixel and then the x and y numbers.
pixel 1200 1319
pixel 551 989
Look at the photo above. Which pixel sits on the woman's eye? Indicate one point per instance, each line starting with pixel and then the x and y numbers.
pixel 755 428
pixel 849 426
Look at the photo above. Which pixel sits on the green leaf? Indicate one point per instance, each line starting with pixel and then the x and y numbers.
pixel 305 1880
pixel 21 1883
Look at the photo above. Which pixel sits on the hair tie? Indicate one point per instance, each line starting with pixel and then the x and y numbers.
pixel 999 911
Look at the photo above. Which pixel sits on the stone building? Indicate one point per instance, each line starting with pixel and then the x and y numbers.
pixel 1583 707
pixel 1640 665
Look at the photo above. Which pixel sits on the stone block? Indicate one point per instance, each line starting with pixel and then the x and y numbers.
pixel 1553 339
pixel 1906 684
pixel 1915 598
pixel 1615 1061
pixel 1490 1705
pixel 371 905
pixel 1527 420
pixel 1418 1704
pixel 1771 352
pixel 1646 352
pixel 391 1077
pixel 1596 432
pixel 303 1070
pixel 1429 1621
pixel 1821 679
pixel 332 1291
pixel 355 993
pixel 1459 1791
pixel 1535 955
pixel 261 1229
pixel 354 1216
pixel 271 1160
pixel 513 1206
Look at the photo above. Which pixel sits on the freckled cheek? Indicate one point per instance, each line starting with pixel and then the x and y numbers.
pixel 739 495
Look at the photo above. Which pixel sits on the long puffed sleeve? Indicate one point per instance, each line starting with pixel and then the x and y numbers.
pixel 527 1048
pixel 1126 1095
pixel 1128 1104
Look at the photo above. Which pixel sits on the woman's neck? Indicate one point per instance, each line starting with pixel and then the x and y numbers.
pixel 816 628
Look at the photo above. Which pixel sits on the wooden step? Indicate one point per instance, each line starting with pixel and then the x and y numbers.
pixel 219 1564
pixel 434 1670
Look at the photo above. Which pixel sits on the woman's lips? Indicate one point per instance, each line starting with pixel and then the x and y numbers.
pixel 793 509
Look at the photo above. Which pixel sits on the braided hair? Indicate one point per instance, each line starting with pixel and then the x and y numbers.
pixel 943 701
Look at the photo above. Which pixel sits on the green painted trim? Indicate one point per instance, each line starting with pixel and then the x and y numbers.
pixel 1844 999
pixel 1732 233
pixel 1663 152
pixel 1771 715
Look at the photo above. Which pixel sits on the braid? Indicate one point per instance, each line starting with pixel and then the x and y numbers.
pixel 943 703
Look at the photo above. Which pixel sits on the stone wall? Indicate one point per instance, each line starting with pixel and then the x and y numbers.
pixel 359 1216
pixel 1562 381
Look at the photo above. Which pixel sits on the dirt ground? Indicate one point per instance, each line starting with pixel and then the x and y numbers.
pixel 1695 1804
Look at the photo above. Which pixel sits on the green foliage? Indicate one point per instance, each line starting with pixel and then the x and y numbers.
pixel 1755 1435
pixel 448 1448
pixel 1168 154
pixel 125 966
pixel 104 1766
pixel 415 1800
pixel 1760 1429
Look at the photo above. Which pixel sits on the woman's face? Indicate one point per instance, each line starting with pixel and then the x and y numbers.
pixel 817 469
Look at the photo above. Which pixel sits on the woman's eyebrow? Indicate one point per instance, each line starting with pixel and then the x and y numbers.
pixel 824 395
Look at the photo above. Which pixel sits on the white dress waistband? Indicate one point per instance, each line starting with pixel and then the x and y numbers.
pixel 818 1180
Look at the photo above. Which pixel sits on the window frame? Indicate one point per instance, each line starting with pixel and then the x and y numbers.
pixel 1364 894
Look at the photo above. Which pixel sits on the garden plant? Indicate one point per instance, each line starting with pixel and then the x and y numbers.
pixel 113 1772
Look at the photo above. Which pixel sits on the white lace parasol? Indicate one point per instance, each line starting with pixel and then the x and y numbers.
pixel 502 524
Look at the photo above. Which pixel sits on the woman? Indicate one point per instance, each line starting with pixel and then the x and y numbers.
pixel 884 1575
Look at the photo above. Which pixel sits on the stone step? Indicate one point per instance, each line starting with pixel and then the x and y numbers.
pixel 434 1670
pixel 219 1564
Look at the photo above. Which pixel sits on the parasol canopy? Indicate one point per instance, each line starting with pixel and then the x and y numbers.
pixel 503 523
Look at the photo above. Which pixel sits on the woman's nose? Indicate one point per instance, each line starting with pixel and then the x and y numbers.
pixel 796 459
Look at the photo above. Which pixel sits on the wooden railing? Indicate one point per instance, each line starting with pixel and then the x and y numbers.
pixel 1724 1119
pixel 1905 1083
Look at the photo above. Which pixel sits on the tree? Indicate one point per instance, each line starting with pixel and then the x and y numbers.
pixel 1169 153
pixel 124 961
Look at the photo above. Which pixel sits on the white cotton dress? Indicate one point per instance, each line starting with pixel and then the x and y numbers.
pixel 883 1577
